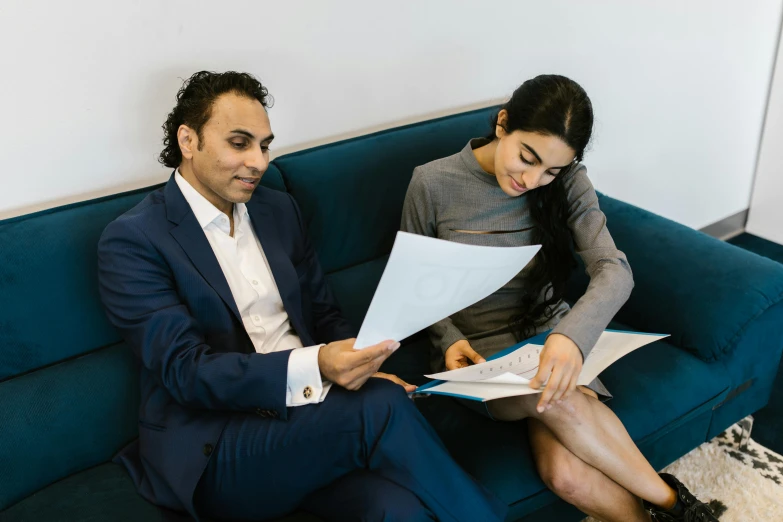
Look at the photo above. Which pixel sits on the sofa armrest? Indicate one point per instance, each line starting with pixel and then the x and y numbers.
pixel 702 291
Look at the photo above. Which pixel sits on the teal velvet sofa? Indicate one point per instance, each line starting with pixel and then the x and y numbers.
pixel 68 384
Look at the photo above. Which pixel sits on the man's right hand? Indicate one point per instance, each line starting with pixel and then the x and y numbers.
pixel 341 364
pixel 459 354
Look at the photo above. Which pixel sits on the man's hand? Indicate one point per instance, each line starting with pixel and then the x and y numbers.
pixel 409 388
pixel 561 363
pixel 341 364
pixel 458 355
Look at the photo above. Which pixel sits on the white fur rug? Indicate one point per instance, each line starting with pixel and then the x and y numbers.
pixel 749 480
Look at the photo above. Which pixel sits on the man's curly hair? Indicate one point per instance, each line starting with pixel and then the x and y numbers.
pixel 194 106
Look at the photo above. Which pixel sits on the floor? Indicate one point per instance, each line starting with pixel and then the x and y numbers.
pixel 768 425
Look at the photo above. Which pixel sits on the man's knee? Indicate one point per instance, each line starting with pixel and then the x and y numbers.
pixel 365 496
pixel 402 508
pixel 382 404
pixel 378 392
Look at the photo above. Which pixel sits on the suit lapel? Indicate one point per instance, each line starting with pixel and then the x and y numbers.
pixel 190 236
pixel 265 225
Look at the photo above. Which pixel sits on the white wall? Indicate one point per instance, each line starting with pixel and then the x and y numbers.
pixel 766 208
pixel 679 87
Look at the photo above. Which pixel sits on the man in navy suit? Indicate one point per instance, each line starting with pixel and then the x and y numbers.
pixel 253 401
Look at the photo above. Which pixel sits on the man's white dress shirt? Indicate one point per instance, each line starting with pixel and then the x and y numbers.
pixel 255 292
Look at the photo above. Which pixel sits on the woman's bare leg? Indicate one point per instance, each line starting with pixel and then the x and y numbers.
pixel 594 434
pixel 580 484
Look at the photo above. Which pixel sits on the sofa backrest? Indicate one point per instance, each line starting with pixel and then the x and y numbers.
pixel 351 194
pixel 68 386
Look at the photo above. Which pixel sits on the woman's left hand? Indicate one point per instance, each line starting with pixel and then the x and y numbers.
pixel 560 362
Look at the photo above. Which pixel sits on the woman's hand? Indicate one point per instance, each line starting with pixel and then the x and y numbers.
pixel 409 388
pixel 458 355
pixel 561 363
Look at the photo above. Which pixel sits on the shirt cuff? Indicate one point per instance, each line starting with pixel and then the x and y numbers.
pixel 304 384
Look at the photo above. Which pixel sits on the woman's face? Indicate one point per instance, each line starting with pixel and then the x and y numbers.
pixel 528 160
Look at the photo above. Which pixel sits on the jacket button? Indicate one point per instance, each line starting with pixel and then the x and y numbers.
pixel 208 449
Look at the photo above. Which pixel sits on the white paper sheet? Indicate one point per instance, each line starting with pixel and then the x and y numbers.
pixel 518 367
pixel 509 375
pixel 481 391
pixel 429 279
pixel 611 346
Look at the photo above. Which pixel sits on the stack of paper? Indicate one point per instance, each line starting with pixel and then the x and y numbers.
pixel 510 374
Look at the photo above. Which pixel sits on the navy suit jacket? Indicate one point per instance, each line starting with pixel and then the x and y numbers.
pixel 164 290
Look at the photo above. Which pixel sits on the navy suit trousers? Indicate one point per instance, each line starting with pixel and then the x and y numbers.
pixel 360 455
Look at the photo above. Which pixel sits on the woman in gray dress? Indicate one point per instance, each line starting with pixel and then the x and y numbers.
pixel 522 185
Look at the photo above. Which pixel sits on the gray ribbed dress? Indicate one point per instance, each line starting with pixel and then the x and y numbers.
pixel 455 194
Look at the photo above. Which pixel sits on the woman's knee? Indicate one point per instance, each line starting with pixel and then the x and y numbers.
pixel 560 471
pixel 573 410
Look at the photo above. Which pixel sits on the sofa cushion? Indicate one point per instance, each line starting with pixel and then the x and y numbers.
pixel 702 291
pixel 273 178
pixel 656 389
pixel 752 369
pixel 355 286
pixel 100 494
pixel 65 418
pixel 660 385
pixel 351 192
pixel 48 264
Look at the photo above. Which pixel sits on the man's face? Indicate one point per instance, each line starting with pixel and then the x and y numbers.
pixel 226 163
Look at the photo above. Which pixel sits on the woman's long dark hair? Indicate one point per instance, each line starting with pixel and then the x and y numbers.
pixel 555 106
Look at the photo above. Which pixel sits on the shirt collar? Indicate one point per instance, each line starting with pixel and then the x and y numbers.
pixel 205 211
pixel 472 164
